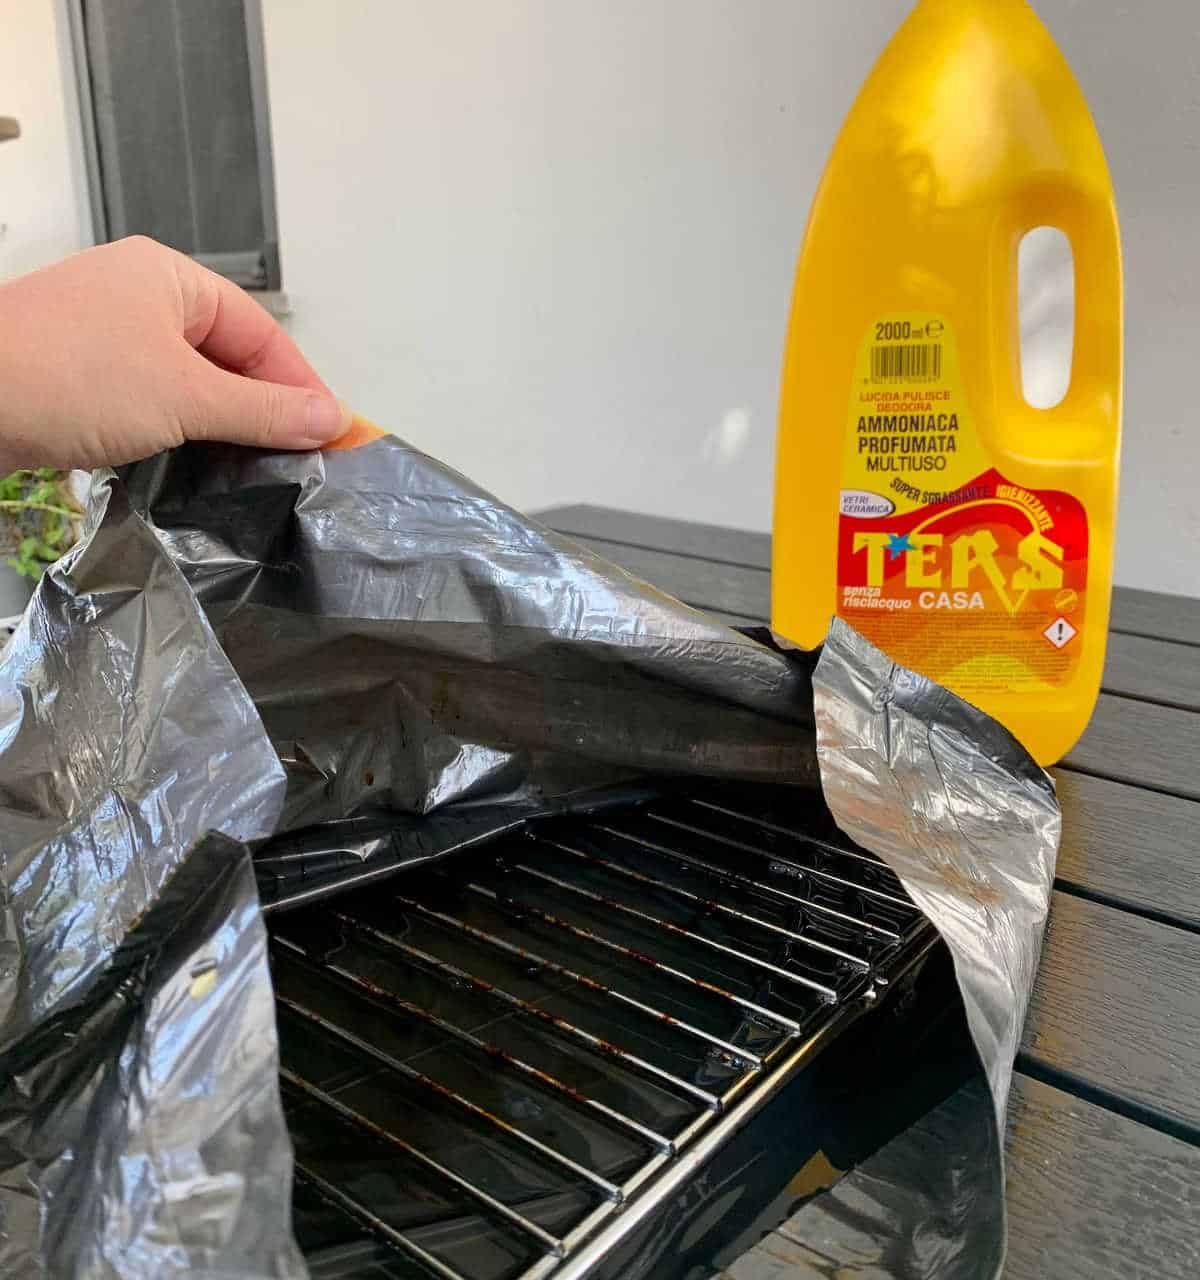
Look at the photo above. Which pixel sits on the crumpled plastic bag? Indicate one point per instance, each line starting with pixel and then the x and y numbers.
pixel 361 653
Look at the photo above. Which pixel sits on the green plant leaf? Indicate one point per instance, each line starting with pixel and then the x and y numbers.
pixel 38 509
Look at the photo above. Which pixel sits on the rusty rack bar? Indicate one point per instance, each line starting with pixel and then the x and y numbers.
pixel 439 1170
pixel 525 1006
pixel 562 971
pixel 826 992
pixel 856 855
pixel 382 995
pixel 709 904
pixel 374 1223
pixel 759 886
pixel 641 958
pixel 482 1114
pixel 771 855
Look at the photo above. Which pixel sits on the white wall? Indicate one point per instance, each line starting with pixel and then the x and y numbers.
pixel 1139 65
pixel 552 240
pixel 43 198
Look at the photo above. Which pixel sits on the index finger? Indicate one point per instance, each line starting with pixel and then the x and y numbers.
pixel 225 324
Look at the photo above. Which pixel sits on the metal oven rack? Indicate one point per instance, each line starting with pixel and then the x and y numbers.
pixel 499 1068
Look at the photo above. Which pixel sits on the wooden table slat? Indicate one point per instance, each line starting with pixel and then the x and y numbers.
pixel 1142 744
pixel 706 541
pixel 1154 614
pixel 1153 670
pixel 1132 847
pixel 1115 1005
pixel 1093 1196
pixel 701 583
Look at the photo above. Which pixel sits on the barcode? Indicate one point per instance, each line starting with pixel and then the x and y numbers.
pixel 914 362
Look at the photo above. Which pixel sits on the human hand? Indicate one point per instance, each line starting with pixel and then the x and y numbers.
pixel 130 348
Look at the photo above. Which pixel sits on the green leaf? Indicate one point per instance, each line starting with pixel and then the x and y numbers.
pixel 44 534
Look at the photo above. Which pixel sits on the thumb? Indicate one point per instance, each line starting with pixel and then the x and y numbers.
pixel 227 406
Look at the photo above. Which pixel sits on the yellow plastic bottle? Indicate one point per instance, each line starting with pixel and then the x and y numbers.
pixel 918 495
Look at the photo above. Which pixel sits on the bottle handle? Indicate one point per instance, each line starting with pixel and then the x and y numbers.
pixel 1090 410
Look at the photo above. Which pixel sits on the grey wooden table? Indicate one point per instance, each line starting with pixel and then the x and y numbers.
pixel 1104 1123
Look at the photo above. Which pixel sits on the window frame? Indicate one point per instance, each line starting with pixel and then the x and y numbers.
pixel 258 271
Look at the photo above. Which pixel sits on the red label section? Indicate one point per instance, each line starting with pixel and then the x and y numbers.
pixel 984 588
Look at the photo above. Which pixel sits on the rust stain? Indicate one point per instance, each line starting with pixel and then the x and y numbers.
pixel 818 1174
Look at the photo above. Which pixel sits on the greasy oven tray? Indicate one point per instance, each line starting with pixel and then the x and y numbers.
pixel 506 1064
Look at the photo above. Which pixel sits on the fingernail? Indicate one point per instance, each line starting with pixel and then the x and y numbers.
pixel 326 418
